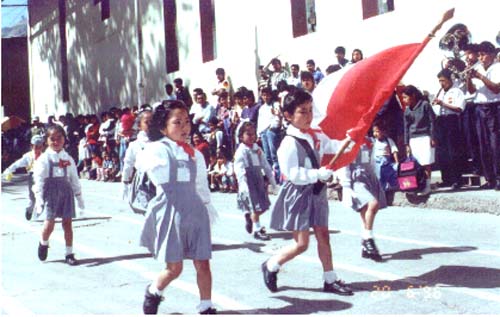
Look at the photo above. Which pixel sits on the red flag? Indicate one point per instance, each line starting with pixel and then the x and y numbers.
pixel 362 90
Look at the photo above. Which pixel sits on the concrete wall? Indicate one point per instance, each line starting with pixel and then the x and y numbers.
pixel 102 55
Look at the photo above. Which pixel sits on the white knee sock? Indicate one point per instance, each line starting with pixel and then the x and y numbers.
pixel 330 276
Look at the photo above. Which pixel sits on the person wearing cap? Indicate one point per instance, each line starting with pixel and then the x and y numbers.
pixel 27 161
pixel 484 82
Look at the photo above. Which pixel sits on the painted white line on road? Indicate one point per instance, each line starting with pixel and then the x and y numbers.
pixel 12 306
pixel 219 299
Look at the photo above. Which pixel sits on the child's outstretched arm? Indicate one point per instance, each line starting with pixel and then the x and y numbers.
pixel 343 146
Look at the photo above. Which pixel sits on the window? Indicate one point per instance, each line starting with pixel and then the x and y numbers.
pixel 207 28
pixel 63 48
pixel 303 17
pixel 373 8
pixel 105 9
pixel 171 45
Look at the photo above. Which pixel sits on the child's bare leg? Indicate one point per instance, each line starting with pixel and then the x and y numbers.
pixel 203 278
pixel 172 271
pixel 324 249
pixel 68 231
pixel 368 214
pixel 301 244
pixel 48 227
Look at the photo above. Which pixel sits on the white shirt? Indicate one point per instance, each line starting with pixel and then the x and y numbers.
pixel 455 97
pixel 257 160
pixel 154 160
pixel 266 118
pixel 26 161
pixel 483 93
pixel 41 172
pixel 288 159
pixel 131 155
pixel 383 147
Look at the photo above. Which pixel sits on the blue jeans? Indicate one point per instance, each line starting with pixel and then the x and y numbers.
pixel 270 142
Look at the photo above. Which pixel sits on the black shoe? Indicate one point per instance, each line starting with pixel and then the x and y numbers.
pixel 369 250
pixel 209 311
pixel 248 223
pixel 270 278
pixel 338 287
pixel 29 213
pixel 70 259
pixel 261 235
pixel 151 303
pixel 43 250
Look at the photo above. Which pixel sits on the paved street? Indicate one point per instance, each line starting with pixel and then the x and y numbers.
pixel 437 262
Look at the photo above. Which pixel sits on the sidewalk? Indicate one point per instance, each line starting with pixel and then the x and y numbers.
pixel 466 199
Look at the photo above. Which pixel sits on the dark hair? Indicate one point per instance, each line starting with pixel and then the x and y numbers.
pixel 295 65
pixel 487 47
pixel 310 61
pixel 305 75
pixel 275 60
pixel 294 99
pixel 411 90
pixel 223 95
pixel 220 71
pixel 340 50
pixel 356 50
pixel 178 81
pixel 266 90
pixel 333 68
pixel 54 128
pixel 249 94
pixel 244 127
pixel 238 95
pixel 160 117
pixel 446 73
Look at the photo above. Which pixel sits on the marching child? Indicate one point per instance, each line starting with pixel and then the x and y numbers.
pixel 363 193
pixel 302 201
pixel 250 166
pixel 177 225
pixel 385 161
pixel 56 183
pixel 27 162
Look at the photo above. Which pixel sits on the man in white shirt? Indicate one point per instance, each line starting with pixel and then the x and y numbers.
pixel 448 104
pixel 485 83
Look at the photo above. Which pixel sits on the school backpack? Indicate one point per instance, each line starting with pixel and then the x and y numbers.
pixel 411 176
pixel 142 190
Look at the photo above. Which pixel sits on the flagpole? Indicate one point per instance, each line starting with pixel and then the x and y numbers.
pixel 347 141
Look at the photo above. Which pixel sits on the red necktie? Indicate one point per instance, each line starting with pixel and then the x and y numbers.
pixel 312 133
pixel 187 148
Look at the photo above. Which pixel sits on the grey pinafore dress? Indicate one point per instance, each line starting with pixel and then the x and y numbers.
pixel 259 199
pixel 365 183
pixel 177 226
pixel 58 196
pixel 297 208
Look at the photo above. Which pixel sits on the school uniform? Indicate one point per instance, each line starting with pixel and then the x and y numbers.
pixel 448 134
pixel 56 183
pixel 130 155
pixel 383 162
pixel 177 224
pixel 360 176
pixel 302 201
pixel 249 166
pixel 419 131
pixel 487 105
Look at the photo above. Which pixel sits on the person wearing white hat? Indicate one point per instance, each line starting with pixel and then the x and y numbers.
pixel 27 161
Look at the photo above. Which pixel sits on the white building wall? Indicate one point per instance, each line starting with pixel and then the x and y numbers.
pixel 102 56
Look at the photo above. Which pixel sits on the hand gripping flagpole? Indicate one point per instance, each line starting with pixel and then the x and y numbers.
pixel 356 133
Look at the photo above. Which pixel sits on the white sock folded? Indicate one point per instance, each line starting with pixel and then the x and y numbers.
pixel 367 234
pixel 257 225
pixel 204 305
pixel 69 250
pixel 44 242
pixel 154 290
pixel 273 265
pixel 330 276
